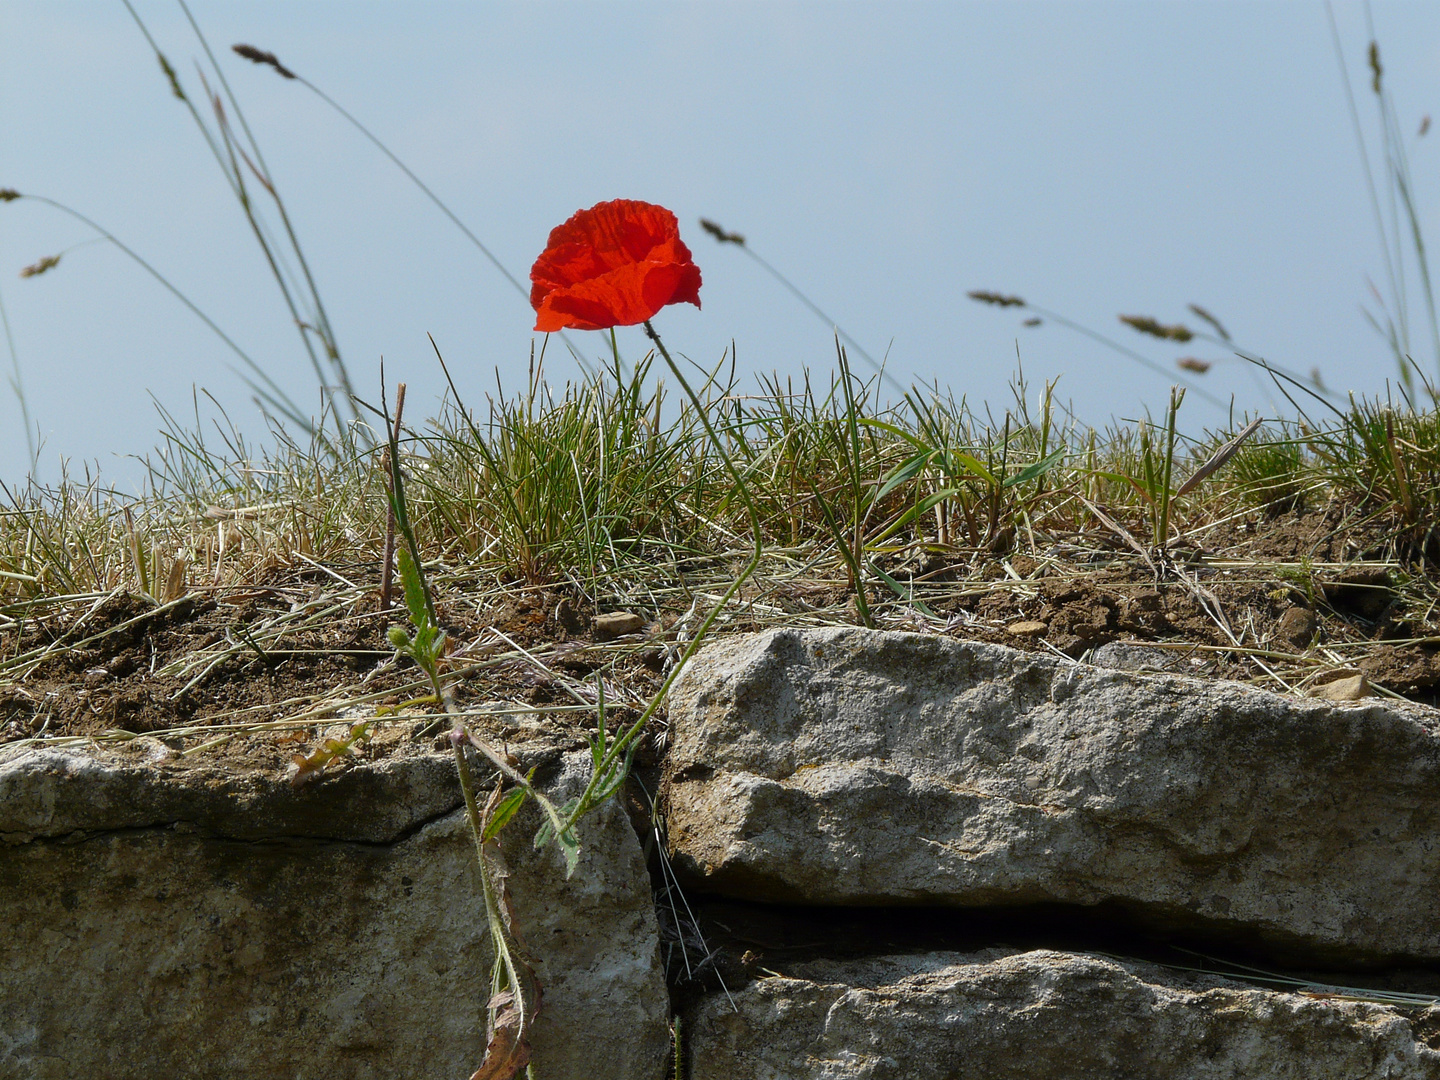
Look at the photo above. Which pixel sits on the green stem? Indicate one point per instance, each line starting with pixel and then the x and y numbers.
pixel 472 805
pixel 622 742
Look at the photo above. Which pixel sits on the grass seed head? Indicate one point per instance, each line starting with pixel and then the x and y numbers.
pixel 171 77
pixel 720 234
pixel 35 269
pixel 1147 325
pixel 1201 313
pixel 260 56
pixel 998 299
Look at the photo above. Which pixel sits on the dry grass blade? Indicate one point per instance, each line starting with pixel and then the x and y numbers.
pixel 1218 459
pixel 1120 531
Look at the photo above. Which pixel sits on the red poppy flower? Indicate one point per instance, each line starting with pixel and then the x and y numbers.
pixel 616 264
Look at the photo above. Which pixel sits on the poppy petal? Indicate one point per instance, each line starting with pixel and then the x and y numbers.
pixel 616 264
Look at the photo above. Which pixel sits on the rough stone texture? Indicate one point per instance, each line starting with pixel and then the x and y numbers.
pixel 47 793
pixel 1040 1016
pixel 154 928
pixel 1123 656
pixel 842 766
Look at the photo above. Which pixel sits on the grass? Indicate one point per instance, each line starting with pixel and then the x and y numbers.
pixel 609 491
pixel 609 484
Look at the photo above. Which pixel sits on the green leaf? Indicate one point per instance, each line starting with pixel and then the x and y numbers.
pixel 1121 478
pixel 901 591
pixel 905 471
pixel 414 590
pixel 615 779
pixel 1037 468
pixel 546 832
pixel 918 510
pixel 429 644
pixel 972 465
pixel 508 807
pixel 568 838
pixel 570 845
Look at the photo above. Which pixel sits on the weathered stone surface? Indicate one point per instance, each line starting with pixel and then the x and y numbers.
pixel 55 792
pixel 1124 656
pixel 841 766
pixel 152 943
pixel 1040 1016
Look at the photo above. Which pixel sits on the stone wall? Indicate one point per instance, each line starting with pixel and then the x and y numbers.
pixel 830 768
pixel 919 857
pixel 168 921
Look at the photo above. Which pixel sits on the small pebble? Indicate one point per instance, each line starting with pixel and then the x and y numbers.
pixel 616 624
pixel 1297 627
pixel 1027 628
pixel 1348 688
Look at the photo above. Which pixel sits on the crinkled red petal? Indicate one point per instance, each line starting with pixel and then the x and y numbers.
pixel 616 264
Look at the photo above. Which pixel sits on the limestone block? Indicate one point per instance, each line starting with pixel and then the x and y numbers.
pixel 155 927
pixel 845 766
pixel 1041 1015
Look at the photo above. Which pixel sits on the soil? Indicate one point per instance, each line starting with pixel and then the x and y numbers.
pixel 176 670
pixel 1309 596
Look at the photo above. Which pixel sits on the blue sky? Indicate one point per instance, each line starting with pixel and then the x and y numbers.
pixel 1095 158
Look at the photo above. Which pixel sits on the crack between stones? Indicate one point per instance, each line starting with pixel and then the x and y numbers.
pixel 80 836
pixel 748 940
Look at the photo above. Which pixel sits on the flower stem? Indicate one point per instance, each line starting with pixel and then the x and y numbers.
pixel 618 748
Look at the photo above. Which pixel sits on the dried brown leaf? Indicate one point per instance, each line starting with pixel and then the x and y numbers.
pixel 509 1050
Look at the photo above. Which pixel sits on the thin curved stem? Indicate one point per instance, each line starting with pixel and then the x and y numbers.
pixel 268 59
pixel 620 746
pixel 270 392
pixel 19 387
pixel 739 241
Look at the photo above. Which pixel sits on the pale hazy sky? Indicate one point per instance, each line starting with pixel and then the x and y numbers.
pixel 1095 158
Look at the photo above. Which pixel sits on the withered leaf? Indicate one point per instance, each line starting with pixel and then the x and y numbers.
pixel 509 1050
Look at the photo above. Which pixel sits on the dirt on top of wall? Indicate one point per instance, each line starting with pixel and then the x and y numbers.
pixel 259 676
